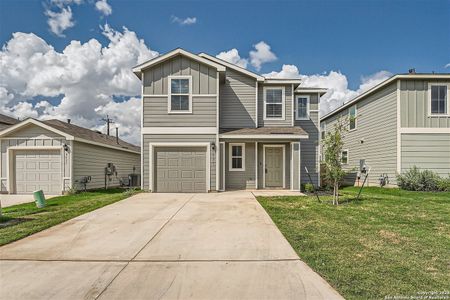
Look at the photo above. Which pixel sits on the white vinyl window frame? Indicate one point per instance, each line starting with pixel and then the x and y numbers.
pixel 297 117
pixel 231 156
pixel 323 130
pixel 347 156
pixel 431 84
pixel 283 102
pixel 350 117
pixel 169 91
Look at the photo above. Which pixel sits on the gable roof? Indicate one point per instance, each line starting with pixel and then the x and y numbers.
pixel 8 120
pixel 157 60
pixel 76 133
pixel 232 66
pixel 383 84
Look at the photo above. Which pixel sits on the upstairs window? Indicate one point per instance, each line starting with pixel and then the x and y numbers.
pixel 352 112
pixel 180 94
pixel 237 157
pixel 439 99
pixel 302 108
pixel 274 103
pixel 323 129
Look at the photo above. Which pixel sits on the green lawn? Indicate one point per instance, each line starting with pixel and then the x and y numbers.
pixel 391 243
pixel 22 220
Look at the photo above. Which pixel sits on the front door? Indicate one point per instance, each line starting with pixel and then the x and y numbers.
pixel 274 167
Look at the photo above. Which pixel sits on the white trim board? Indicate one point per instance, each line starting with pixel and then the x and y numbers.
pixel 179 130
pixel 167 95
pixel 423 130
pixel 265 136
pixel 264 162
pixel 175 144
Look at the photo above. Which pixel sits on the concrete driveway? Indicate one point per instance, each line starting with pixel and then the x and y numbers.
pixel 186 246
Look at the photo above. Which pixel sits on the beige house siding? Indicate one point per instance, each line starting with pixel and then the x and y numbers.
pixel 91 160
pixel 414 102
pixel 177 138
pixel 429 151
pixel 237 101
pixel 376 128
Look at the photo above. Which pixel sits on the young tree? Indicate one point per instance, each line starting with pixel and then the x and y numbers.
pixel 332 145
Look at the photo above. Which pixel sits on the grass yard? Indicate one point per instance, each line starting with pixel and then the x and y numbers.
pixel 390 243
pixel 22 220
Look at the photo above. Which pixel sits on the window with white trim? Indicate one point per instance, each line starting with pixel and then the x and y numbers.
pixel 274 103
pixel 439 99
pixel 302 108
pixel 180 94
pixel 344 157
pixel 237 157
pixel 352 112
pixel 323 129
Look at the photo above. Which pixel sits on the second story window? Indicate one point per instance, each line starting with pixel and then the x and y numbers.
pixel 352 112
pixel 344 157
pixel 439 99
pixel 323 130
pixel 302 108
pixel 274 103
pixel 180 94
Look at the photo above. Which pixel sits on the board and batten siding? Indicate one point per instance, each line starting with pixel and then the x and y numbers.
pixel 309 148
pixel 429 151
pixel 91 160
pixel 238 180
pixel 414 103
pixel 237 101
pixel 33 136
pixel 287 108
pixel 203 113
pixel 177 138
pixel 204 78
pixel 375 138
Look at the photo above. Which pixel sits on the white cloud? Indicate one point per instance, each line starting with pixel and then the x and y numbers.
pixel 103 7
pixel 60 21
pixel 232 56
pixel 368 82
pixel 336 83
pixel 86 76
pixel 262 54
pixel 447 65
pixel 183 22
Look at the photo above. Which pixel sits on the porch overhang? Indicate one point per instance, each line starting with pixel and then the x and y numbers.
pixel 264 133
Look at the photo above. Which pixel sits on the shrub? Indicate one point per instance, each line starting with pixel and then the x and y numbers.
pixel 309 188
pixel 443 184
pixel 416 180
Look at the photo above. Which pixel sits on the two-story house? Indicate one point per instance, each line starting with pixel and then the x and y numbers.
pixel 209 125
pixel 400 123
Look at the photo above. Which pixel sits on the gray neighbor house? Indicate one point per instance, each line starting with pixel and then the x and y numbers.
pixel 400 123
pixel 209 125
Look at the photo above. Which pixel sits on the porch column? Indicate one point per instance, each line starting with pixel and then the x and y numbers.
pixel 295 166
pixel 256 165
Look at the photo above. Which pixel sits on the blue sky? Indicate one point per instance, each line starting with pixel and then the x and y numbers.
pixel 355 37
pixel 73 58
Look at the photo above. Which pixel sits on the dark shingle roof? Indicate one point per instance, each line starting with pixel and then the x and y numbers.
pixel 8 120
pixel 90 135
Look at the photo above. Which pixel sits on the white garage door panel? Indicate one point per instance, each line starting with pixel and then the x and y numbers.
pixel 180 169
pixel 37 170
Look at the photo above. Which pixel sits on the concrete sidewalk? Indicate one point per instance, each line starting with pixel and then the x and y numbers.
pixel 172 246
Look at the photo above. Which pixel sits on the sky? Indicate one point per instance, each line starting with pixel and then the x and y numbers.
pixel 73 58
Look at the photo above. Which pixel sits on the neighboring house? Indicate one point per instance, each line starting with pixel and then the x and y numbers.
pixel 55 156
pixel 6 121
pixel 209 125
pixel 402 122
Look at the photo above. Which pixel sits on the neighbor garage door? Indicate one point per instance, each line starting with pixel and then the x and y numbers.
pixel 180 169
pixel 37 170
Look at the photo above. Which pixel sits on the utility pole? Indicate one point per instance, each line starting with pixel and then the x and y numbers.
pixel 108 121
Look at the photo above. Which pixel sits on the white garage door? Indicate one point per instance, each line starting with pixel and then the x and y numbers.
pixel 37 170
pixel 180 170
